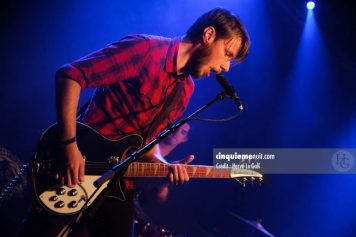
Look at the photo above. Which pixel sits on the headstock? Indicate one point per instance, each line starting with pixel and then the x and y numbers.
pixel 244 176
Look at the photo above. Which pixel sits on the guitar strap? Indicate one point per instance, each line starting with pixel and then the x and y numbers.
pixel 83 108
pixel 168 106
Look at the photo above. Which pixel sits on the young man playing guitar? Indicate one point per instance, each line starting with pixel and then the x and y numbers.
pixel 134 78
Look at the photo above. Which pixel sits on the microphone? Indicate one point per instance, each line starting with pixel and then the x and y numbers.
pixel 230 91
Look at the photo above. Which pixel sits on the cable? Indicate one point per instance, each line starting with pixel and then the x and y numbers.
pixel 216 120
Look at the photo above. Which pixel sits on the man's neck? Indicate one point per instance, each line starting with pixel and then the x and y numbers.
pixel 185 51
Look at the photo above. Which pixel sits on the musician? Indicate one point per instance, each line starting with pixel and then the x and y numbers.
pixel 180 136
pixel 14 198
pixel 9 167
pixel 134 78
pixel 155 192
pixel 166 146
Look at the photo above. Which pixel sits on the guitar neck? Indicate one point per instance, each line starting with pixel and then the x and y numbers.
pixel 140 169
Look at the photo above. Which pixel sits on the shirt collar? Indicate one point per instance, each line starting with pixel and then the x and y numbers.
pixel 172 53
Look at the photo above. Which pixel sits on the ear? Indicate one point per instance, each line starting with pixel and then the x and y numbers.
pixel 209 35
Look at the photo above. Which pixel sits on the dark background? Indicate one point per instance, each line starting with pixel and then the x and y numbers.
pixel 297 85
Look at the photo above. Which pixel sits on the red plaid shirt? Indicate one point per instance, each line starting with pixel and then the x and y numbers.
pixel 134 77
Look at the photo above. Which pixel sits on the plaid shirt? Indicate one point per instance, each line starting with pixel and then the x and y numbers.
pixel 134 77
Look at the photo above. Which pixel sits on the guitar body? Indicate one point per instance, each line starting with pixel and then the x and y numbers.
pixel 100 154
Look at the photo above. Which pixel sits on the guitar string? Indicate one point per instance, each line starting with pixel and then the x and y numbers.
pixel 163 173
pixel 101 167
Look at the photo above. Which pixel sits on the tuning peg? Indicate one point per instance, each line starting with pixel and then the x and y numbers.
pixel 244 180
pixel 240 182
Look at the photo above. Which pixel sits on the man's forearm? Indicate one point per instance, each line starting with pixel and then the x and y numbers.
pixel 155 156
pixel 67 97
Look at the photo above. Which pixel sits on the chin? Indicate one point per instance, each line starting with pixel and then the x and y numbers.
pixel 197 72
pixel 198 75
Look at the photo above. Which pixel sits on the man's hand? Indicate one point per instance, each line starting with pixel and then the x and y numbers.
pixel 178 173
pixel 70 166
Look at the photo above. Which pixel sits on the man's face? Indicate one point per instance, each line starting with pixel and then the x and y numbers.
pixel 180 136
pixel 213 57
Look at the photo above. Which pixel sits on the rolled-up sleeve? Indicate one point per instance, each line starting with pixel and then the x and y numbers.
pixel 118 61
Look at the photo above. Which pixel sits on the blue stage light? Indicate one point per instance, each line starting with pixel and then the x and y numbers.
pixel 310 5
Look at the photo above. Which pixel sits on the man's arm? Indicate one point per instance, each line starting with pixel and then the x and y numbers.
pixel 71 166
pixel 109 65
pixel 155 156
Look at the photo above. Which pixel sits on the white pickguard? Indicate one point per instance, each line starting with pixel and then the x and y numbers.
pixel 52 198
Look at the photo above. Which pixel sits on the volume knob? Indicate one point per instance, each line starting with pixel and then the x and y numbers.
pixel 61 191
pixel 59 204
pixel 73 204
pixel 73 192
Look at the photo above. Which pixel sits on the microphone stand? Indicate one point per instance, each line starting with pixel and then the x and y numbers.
pixel 117 171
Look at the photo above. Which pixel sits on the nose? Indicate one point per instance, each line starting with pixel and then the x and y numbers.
pixel 226 66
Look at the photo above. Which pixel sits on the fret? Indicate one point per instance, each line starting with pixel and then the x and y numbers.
pixel 128 171
pixel 194 170
pixel 155 170
pixel 207 171
pixel 143 169
pixel 150 169
pixel 163 169
pixel 139 168
pixel 136 168
pixel 199 171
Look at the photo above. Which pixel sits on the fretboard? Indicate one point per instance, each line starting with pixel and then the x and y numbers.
pixel 139 169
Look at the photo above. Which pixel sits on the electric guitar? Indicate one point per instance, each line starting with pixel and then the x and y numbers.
pixel 100 155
